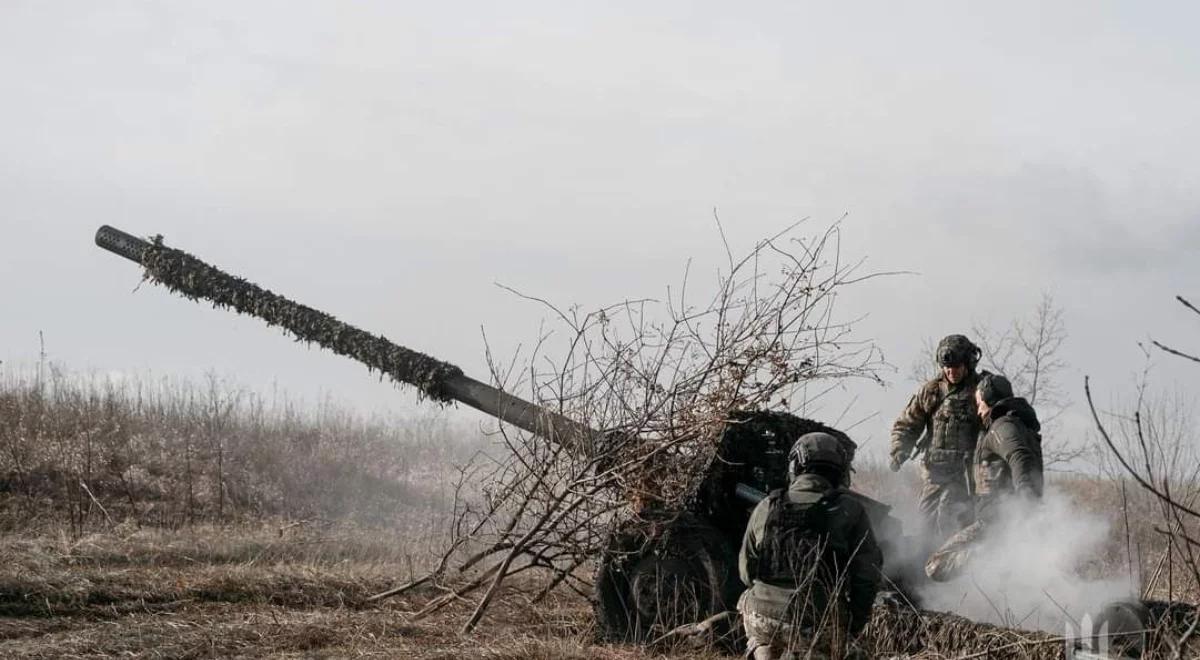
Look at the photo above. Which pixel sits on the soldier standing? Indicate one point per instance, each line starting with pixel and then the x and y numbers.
pixel 941 423
pixel 809 558
pixel 1008 467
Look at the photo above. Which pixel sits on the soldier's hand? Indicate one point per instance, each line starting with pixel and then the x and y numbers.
pixel 896 462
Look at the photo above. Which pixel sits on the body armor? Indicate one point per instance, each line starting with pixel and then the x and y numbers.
pixel 955 424
pixel 942 424
pixel 798 543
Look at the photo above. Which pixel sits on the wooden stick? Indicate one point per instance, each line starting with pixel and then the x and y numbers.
pixel 96 501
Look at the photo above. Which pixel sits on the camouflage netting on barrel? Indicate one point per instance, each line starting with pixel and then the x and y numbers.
pixel 184 274
pixel 904 631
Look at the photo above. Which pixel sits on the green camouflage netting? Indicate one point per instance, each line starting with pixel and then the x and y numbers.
pixel 182 273
pixel 902 631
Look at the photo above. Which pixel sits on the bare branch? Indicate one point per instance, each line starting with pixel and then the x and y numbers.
pixel 1187 304
pixel 1172 351
pixel 1125 464
pixel 662 380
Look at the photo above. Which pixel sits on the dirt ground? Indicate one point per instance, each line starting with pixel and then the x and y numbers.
pixel 221 592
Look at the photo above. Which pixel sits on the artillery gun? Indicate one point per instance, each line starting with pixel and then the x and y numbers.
pixel 663 568
pixel 685 558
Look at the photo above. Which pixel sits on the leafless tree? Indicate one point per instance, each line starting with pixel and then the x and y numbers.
pixel 1029 353
pixel 924 366
pixel 1154 448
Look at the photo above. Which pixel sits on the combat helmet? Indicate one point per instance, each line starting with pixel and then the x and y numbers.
pixel 954 350
pixel 813 449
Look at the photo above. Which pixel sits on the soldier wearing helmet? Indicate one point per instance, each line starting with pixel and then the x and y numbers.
pixel 809 559
pixel 941 423
pixel 1008 469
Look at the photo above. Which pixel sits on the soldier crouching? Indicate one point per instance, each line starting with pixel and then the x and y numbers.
pixel 810 561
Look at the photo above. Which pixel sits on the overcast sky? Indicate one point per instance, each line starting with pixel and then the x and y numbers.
pixel 390 162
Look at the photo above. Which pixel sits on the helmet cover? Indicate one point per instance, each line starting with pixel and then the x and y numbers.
pixel 816 448
pixel 956 350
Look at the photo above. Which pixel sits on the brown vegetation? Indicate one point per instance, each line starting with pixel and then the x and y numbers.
pixel 147 560
pixel 136 520
pixel 92 452
pixel 253 591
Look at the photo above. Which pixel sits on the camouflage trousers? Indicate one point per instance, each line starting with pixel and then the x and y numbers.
pixel 945 499
pixel 950 560
pixel 771 639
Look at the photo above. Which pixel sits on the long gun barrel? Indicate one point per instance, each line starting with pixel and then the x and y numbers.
pixel 442 381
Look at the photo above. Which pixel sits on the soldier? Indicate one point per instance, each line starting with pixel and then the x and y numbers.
pixel 1008 467
pixel 809 559
pixel 940 422
pixel 1008 460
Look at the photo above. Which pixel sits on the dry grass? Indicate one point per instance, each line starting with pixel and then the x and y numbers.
pixel 1136 545
pixel 257 591
pixel 88 451
pixel 130 568
pixel 278 589
pixel 211 592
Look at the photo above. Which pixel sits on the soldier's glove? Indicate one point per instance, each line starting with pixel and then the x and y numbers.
pixel 896 462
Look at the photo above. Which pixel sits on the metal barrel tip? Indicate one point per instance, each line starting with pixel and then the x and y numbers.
pixel 118 242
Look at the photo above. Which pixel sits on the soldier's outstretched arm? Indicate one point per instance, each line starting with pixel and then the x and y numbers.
pixel 907 428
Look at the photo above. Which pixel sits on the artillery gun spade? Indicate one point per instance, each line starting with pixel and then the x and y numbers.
pixel 661 568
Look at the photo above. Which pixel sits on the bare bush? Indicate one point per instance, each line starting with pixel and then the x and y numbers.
pixel 660 379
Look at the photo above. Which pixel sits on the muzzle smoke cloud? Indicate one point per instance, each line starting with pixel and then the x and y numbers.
pixel 1031 569
pixel 1026 570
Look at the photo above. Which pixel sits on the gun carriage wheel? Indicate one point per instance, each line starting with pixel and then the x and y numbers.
pixel 663 571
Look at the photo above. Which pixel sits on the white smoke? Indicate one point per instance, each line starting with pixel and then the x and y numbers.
pixel 1026 571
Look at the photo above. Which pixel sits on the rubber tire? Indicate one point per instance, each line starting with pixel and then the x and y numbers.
pixel 692 556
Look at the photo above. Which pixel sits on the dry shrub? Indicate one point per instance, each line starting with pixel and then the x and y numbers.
pixel 660 381
pixel 93 451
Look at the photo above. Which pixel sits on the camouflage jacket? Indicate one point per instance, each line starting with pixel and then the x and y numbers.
pixel 851 527
pixel 1008 459
pixel 940 419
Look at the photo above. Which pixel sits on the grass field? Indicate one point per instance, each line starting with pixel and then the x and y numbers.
pixel 181 521
pixel 257 591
